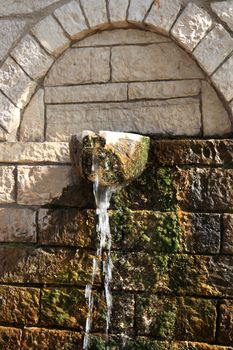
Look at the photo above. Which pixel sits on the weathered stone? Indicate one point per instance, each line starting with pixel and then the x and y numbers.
pixel 17 225
pixel 72 20
pixel 225 335
pixel 67 227
pixel 51 35
pixel 10 338
pixel 122 319
pixel 213 49
pixel 205 188
pixel 138 10
pixel 15 83
pixel 96 12
pixel 191 26
pixel 79 66
pixel 38 265
pixel 159 117
pixel 9 115
pixel 228 234
pixel 161 17
pixel 38 185
pixel 204 152
pixel 224 10
pixel 223 79
pixel 15 7
pixel 121 36
pixel 10 31
pixel 86 93
pixel 176 318
pixel 130 63
pixel 32 125
pixel 164 89
pixel 19 305
pixel 118 12
pixel 30 152
pixel 31 57
pixel 7 187
pixel 216 120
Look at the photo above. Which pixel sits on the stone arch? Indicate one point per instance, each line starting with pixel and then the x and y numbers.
pixel 190 27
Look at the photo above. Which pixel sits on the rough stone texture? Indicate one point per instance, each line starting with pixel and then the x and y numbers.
pixel 161 17
pixel 225 335
pixel 191 26
pixel 160 117
pixel 15 83
pixel 224 10
pixel 39 185
pixel 138 63
pixel 48 339
pixel 10 338
pixel 216 120
pixel 164 89
pixel 23 7
pixel 51 36
pixel 86 93
pixel 121 37
pixel 70 227
pixel 72 20
pixel 118 11
pixel 17 225
pixel 9 115
pixel 223 79
pixel 96 12
pixel 32 125
pixel 10 31
pixel 179 318
pixel 38 265
pixel 31 57
pixel 228 234
pixel 7 186
pixel 92 66
pixel 32 152
pixel 123 314
pixel 138 10
pixel 19 305
pixel 213 49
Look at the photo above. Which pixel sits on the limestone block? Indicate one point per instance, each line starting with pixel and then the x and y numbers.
pixel 162 17
pixel 80 66
pixel 130 63
pixel 226 328
pixel 224 10
pixel 10 31
pixel 32 125
pixel 51 36
pixel 223 79
pixel 159 117
pixel 39 185
pixel 7 187
pixel 121 36
pixel 15 83
pixel 216 120
pixel 86 93
pixel 19 305
pixel 228 234
pixel 17 225
pixel 10 337
pixel 164 89
pixel 118 11
pixel 191 26
pixel 213 49
pixel 9 115
pixel 72 20
pixel 138 10
pixel 31 57
pixel 96 12
pixel 15 7
pixel 31 152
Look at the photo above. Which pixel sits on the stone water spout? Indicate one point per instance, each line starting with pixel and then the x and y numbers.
pixel 110 160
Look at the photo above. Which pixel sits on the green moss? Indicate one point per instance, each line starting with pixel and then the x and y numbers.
pixel 165 324
pixel 78 276
pixel 168 234
pixel 98 343
pixel 166 191
pixel 121 224
pixel 146 344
